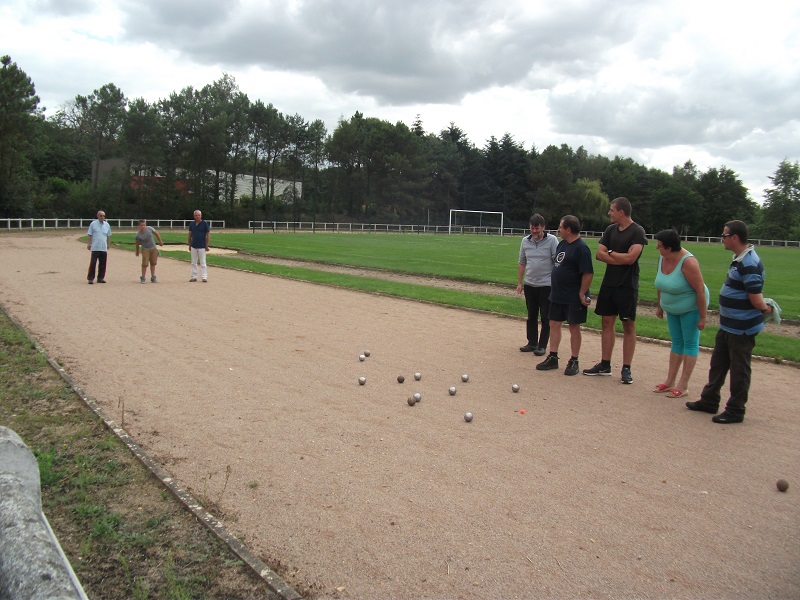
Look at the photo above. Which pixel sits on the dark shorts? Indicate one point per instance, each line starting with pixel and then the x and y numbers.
pixel 574 314
pixel 617 301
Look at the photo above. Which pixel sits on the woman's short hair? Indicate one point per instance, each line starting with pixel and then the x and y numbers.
pixel 669 238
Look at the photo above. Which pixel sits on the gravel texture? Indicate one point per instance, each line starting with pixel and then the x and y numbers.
pixel 246 390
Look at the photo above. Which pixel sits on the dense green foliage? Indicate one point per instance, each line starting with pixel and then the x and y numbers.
pixel 191 149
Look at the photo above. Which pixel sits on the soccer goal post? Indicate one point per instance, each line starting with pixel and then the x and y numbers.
pixel 480 227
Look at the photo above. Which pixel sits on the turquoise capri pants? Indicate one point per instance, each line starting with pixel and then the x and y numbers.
pixel 684 332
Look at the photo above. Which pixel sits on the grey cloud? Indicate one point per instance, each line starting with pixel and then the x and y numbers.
pixel 175 22
pixel 650 117
pixel 422 52
pixel 780 141
pixel 398 53
pixel 66 8
pixel 714 104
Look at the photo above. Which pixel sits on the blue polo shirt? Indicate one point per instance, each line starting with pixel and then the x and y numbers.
pixel 745 276
pixel 199 231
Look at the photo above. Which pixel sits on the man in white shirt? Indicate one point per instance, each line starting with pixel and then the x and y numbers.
pixel 99 232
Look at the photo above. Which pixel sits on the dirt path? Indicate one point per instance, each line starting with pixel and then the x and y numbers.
pixel 246 390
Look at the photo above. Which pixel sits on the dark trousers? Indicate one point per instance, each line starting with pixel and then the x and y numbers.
pixel 98 262
pixel 731 353
pixel 537 299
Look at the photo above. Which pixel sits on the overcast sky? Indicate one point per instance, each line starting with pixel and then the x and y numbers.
pixel 660 81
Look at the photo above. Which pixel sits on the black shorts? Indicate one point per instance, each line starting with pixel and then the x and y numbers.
pixel 617 301
pixel 574 314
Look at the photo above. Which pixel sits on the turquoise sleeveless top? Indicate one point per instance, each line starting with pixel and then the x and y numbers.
pixel 677 296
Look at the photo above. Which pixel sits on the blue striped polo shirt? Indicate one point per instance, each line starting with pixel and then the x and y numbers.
pixel 745 276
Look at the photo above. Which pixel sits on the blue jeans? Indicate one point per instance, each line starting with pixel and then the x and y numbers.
pixel 731 353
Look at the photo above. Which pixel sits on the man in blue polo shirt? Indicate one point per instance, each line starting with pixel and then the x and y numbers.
pixel 199 238
pixel 741 317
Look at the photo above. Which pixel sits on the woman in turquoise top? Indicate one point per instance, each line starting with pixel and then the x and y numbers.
pixel 684 297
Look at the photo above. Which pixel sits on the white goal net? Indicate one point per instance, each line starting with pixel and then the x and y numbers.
pixel 475 221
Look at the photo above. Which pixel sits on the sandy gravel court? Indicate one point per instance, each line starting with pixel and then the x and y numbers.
pixel 246 390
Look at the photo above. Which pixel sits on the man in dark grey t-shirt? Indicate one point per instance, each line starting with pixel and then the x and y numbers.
pixel 144 238
pixel 620 248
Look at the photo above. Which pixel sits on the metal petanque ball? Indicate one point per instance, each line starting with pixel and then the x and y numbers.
pixel 411 401
pixel 417 397
pixel 468 417
pixel 417 376
pixel 465 378
pixel 400 379
pixel 362 357
pixel 362 380
pixel 367 352
pixel 452 391
pixel 515 388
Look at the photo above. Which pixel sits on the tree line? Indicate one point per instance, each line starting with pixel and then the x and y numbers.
pixel 186 151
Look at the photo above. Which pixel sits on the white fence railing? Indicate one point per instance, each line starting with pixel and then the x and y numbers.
pixel 14 224
pixel 366 227
pixel 316 226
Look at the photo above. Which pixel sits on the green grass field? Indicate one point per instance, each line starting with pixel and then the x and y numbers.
pixel 483 259
pixel 491 258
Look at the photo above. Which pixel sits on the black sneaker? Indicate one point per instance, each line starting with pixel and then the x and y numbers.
pixel 702 407
pixel 625 375
pixel 598 369
pixel 549 363
pixel 540 351
pixel 725 418
pixel 528 348
pixel 572 367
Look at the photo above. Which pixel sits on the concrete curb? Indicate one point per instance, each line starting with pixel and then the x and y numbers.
pixel 32 563
pixel 273 581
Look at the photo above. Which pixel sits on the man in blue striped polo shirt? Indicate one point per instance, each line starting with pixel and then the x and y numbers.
pixel 741 317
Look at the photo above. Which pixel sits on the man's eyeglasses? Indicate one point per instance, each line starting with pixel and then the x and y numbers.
pixel 726 235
